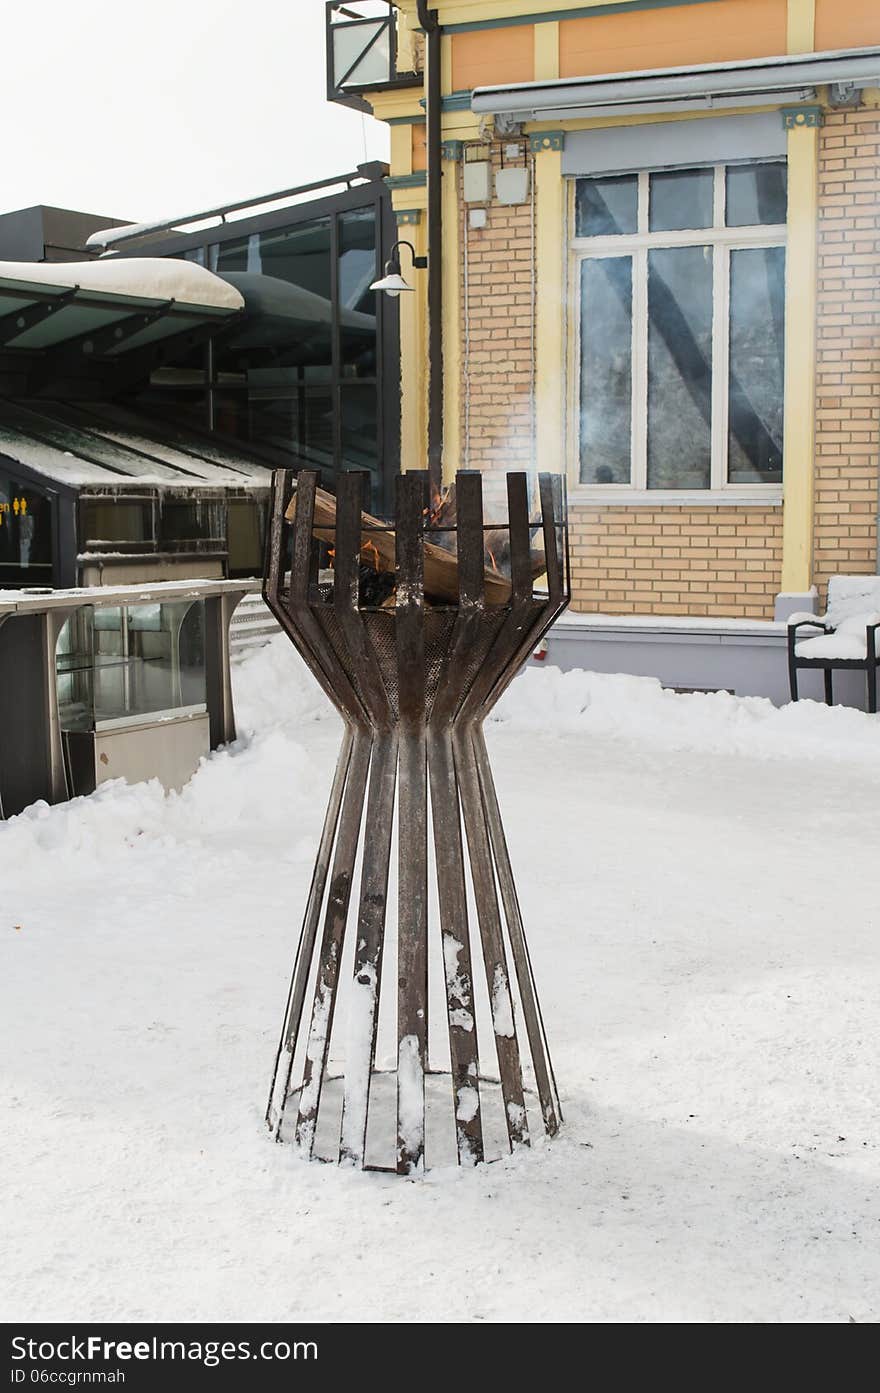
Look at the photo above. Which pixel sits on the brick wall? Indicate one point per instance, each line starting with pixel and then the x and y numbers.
pixel 698 561
pixel 848 346
pixel 498 313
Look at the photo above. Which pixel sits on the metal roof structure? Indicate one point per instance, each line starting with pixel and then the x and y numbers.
pixel 104 445
pixel 97 309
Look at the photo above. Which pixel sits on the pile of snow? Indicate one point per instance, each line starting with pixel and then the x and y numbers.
pixel 642 712
pixel 149 278
pixel 274 690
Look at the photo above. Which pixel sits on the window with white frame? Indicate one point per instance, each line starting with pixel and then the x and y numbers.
pixel 679 283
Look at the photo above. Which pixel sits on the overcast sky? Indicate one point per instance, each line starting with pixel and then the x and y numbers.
pixel 149 110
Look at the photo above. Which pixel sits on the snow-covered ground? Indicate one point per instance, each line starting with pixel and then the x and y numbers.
pixel 698 878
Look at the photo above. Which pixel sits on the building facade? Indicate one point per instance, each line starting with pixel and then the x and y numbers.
pixel 661 276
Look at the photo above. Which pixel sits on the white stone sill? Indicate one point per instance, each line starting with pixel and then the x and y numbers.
pixel 663 627
pixel 580 497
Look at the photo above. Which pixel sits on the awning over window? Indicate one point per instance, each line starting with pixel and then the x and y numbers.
pixel 107 308
pixel 755 82
pixel 674 144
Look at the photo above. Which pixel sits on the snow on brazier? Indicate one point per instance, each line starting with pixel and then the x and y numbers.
pixel 414 630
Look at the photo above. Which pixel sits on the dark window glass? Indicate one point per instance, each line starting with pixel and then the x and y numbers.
pixel 360 449
pixel 679 367
pixel 106 520
pixel 757 344
pixel 184 406
pixel 297 420
pixel 357 303
pixel 232 255
pixel 606 370
pixel 605 207
pixel 757 194
pixel 191 520
pixel 681 199
pixel 284 277
pixel 25 535
pixel 245 537
pixel 300 255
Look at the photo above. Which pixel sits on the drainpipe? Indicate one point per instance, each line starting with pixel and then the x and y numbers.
pixel 429 22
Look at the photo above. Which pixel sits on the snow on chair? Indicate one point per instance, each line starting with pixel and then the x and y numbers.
pixel 847 635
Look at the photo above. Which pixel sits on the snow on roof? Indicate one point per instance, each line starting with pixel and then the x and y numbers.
pixel 145 278
pixel 85 455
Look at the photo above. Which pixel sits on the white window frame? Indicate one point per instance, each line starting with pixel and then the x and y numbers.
pixel 723 241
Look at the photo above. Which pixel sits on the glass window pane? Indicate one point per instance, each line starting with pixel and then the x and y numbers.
pixel 233 255
pixel 182 406
pixel 605 207
pixel 296 419
pixel 680 199
pixel 165 667
pixel 106 520
pixel 360 446
pixel 245 537
pixel 25 535
pixel 117 663
pixel 285 279
pixel 757 194
pixel 74 671
pixel 357 303
pixel 187 521
pixel 606 370
pixel 361 53
pixel 757 343
pixel 679 367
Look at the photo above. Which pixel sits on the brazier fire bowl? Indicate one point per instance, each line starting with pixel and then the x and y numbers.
pixel 394 1047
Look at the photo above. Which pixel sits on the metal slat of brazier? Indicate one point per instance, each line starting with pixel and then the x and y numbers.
pixel 413 676
pixel 446 817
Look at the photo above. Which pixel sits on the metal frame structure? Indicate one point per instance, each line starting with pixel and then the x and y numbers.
pixel 339 14
pixel 413 685
pixel 371 191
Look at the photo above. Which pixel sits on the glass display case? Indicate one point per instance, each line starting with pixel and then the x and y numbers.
pixel 131 665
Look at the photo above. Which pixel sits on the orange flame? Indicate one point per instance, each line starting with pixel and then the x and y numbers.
pixel 371 552
pixel 437 501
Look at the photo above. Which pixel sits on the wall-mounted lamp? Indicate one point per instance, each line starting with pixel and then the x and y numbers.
pixel 392 282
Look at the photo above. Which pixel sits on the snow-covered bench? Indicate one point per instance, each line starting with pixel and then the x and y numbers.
pixel 847 635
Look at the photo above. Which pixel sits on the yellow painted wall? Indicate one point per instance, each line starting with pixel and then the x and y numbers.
pixel 419 148
pixel 847 23
pixel 708 33
pixel 486 56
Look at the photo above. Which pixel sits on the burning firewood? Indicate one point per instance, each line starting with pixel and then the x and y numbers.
pixel 441 563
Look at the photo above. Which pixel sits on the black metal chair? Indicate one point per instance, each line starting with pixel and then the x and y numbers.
pixel 851 622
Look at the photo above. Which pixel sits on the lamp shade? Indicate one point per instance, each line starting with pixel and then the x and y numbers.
pixel 392 283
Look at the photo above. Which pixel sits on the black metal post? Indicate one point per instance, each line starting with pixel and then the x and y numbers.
pixel 429 22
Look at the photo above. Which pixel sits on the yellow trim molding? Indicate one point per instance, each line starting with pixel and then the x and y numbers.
pixel 452 344
pixel 801 27
pixel 547 51
pixel 413 340
pixel 550 260
pixel 800 359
